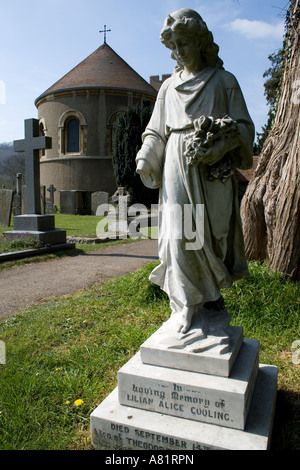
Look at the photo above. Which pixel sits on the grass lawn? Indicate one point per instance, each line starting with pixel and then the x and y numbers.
pixel 78 225
pixel 70 349
pixel 75 225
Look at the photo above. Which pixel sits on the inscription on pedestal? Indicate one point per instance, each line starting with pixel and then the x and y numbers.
pixel 178 401
pixel 119 427
pixel 181 402
pixel 211 399
pixel 116 436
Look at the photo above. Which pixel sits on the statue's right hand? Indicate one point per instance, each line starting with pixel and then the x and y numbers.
pixel 143 168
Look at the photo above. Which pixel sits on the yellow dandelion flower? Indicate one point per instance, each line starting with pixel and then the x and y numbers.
pixel 67 402
pixel 78 402
pixel 58 368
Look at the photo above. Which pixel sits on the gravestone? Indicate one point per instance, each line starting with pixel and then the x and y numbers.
pixel 68 202
pixel 17 204
pixel 50 206
pixel 31 146
pixel 6 201
pixel 38 225
pixel 75 202
pixel 23 199
pixel 43 199
pixel 160 404
pixel 51 190
pixel 42 196
pixel 123 199
pixel 98 198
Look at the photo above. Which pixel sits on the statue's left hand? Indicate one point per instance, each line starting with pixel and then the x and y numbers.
pixel 219 148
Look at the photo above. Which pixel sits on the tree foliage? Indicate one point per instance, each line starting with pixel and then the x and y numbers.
pixel 127 140
pixel 272 92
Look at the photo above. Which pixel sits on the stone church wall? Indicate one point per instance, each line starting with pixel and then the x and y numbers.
pixel 91 168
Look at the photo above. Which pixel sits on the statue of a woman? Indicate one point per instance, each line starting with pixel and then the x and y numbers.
pixel 200 131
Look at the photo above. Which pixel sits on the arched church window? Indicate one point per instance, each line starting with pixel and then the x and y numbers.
pixel 72 135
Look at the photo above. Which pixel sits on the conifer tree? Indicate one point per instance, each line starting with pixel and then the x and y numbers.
pixel 272 87
pixel 127 140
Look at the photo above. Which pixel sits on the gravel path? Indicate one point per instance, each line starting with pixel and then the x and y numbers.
pixel 38 282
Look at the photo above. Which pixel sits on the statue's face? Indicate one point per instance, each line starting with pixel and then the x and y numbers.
pixel 186 51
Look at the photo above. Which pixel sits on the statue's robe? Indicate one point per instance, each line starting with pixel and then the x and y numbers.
pixel 190 274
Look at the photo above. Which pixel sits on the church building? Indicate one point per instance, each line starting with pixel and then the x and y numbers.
pixel 78 112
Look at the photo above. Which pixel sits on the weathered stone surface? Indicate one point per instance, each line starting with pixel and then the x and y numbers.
pixel 200 397
pixel 156 351
pixel 116 426
pixel 31 145
pixel 48 237
pixel 97 199
pixel 34 222
pixel 75 202
pixel 40 226
pixel 6 201
pixel 68 202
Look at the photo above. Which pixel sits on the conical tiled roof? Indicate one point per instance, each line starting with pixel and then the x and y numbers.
pixel 104 68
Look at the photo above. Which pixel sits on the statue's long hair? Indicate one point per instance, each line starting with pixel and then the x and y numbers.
pixel 189 23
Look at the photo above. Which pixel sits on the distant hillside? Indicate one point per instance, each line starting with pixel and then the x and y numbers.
pixel 6 151
pixel 11 163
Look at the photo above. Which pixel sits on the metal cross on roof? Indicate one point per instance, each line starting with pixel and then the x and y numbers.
pixel 105 31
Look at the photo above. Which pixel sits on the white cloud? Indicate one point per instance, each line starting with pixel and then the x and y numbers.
pixel 253 29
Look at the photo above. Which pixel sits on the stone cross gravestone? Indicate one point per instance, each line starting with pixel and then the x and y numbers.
pixel 123 200
pixel 6 201
pixel 51 190
pixel 23 199
pixel 31 146
pixel 40 226
pixel 50 206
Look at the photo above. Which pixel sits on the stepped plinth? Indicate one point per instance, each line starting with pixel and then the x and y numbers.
pixel 177 399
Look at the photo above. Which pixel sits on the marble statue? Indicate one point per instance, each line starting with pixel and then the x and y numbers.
pixel 199 132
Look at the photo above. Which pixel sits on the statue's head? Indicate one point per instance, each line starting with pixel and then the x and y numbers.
pixel 189 24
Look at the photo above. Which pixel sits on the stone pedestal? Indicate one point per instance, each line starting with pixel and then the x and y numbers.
pixel 166 399
pixel 215 359
pixel 38 226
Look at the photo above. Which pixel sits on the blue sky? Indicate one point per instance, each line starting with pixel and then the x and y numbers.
pixel 43 40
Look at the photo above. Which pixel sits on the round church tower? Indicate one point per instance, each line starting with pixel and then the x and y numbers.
pixel 78 112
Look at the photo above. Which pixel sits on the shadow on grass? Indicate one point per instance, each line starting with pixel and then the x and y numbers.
pixel 73 252
pixel 123 255
pixel 286 435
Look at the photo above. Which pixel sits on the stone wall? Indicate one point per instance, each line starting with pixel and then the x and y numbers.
pixel 82 174
pixel 96 109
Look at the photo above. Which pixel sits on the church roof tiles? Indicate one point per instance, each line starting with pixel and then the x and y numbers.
pixel 104 68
